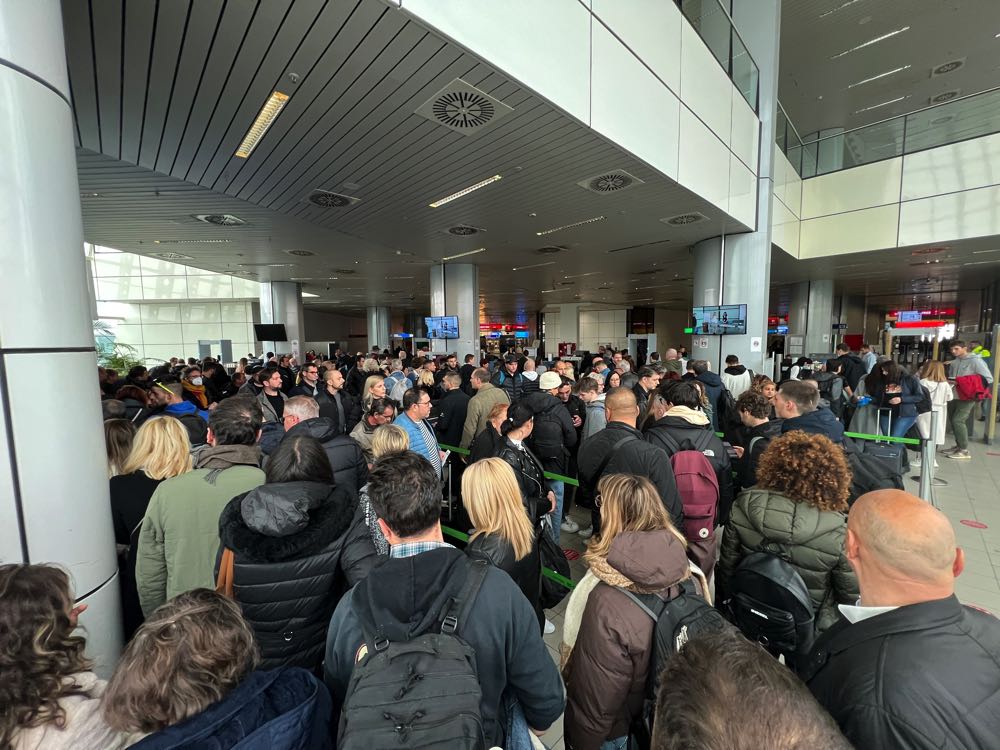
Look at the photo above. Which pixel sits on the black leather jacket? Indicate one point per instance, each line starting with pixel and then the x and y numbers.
pixel 526 572
pixel 530 479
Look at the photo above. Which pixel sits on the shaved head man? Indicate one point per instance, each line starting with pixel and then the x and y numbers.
pixel 909 665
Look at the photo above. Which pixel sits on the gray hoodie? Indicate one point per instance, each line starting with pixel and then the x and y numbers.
pixel 970 364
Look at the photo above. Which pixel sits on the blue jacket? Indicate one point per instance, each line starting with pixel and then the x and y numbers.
pixel 185 407
pixel 418 441
pixel 818 422
pixel 282 709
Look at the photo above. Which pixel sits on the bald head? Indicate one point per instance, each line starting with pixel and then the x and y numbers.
pixel 620 406
pixel 902 548
pixel 670 354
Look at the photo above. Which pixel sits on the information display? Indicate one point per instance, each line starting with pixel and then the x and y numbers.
pixel 442 327
pixel 720 320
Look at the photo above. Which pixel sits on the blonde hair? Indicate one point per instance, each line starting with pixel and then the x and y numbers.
pixel 366 393
pixel 628 503
pixel 161 449
pixel 425 379
pixel 493 500
pixel 370 365
pixel 389 438
pixel 933 370
pixel 189 654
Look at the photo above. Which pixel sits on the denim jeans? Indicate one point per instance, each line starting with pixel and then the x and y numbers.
pixel 518 731
pixel 618 743
pixel 900 425
pixel 559 490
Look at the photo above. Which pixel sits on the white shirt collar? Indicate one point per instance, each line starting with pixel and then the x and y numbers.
pixel 856 613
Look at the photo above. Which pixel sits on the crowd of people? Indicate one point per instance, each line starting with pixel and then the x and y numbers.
pixel 286 580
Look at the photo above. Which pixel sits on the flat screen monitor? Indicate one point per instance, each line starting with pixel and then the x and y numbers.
pixel 442 327
pixel 520 334
pixel 909 316
pixel 269 332
pixel 720 320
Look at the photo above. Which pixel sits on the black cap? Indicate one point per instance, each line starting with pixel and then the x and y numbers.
pixel 510 358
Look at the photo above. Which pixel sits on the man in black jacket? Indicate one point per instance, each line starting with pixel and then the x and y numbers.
pixel 421 576
pixel 713 384
pixel 758 432
pixel 509 379
pixel 451 410
pixel 648 380
pixel 908 666
pixel 309 385
pixel 620 449
pixel 853 366
pixel 466 371
pixel 797 404
pixel 301 417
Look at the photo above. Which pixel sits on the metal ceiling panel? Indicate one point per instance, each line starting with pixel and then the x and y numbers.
pixel 140 22
pixel 106 17
pixel 82 82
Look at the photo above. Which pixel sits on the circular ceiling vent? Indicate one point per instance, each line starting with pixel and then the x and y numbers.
pixel 326 199
pixel 942 120
pixel 220 220
pixel 301 253
pixel 648 273
pixel 344 271
pixel 172 256
pixel 945 96
pixel 949 67
pixel 610 182
pixel 550 250
pixel 464 230
pixel 463 109
pixel 685 219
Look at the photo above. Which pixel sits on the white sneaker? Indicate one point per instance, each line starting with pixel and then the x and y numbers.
pixel 549 627
pixel 586 533
pixel 569 526
pixel 915 463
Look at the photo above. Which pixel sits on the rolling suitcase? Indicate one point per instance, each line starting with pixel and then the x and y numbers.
pixel 893 455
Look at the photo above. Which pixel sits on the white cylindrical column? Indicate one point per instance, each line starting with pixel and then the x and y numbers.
pixel 707 292
pixel 569 325
pixel 455 291
pixel 820 326
pixel 54 504
pixel 281 302
pixel 378 328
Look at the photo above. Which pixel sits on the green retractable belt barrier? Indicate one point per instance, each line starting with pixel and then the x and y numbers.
pixel 547 572
pixel 882 438
pixel 548 475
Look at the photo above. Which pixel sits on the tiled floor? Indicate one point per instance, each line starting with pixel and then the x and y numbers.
pixel 972 494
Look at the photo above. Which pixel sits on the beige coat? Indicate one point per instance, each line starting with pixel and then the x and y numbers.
pixel 478 415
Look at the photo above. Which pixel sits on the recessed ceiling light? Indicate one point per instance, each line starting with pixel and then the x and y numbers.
pixel 534 265
pixel 267 265
pixel 462 255
pixel 880 75
pixel 314 278
pixel 190 242
pixel 880 104
pixel 570 226
pixel 466 191
pixel 309 294
pixel 870 42
pixel 271 109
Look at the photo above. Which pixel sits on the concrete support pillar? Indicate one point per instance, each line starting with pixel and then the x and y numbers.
pixel 54 505
pixel 569 324
pixel 455 291
pixel 281 302
pixel 810 318
pixel 378 328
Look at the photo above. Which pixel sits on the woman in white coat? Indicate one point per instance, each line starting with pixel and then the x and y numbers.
pixel 934 379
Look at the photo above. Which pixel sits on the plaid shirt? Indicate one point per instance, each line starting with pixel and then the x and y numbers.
pixel 409 549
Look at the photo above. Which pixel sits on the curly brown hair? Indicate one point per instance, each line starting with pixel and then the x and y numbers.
pixel 38 650
pixel 190 653
pixel 808 469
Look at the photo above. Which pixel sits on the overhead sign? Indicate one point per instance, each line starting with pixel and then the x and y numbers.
pixel 909 316
pixel 840 326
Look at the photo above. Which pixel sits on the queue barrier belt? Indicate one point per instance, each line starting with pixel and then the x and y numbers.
pixel 548 475
pixel 547 572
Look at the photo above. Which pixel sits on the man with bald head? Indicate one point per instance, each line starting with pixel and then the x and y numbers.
pixel 672 361
pixel 908 666
pixel 620 449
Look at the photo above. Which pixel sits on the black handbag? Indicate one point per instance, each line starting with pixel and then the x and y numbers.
pixel 552 558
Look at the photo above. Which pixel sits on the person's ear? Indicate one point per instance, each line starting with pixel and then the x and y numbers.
pixel 959 564
pixel 210 437
pixel 851 545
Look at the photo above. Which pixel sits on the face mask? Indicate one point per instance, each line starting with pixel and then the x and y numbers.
pixel 196 381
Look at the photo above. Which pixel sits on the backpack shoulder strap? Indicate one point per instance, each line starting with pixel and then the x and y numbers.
pixel 671 443
pixel 644 602
pixel 703 440
pixel 611 454
pixel 461 605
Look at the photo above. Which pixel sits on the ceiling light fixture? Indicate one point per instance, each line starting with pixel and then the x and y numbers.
pixel 981 262
pixel 570 226
pixel 189 242
pixel 466 191
pixel 880 75
pixel 581 275
pixel 838 8
pixel 462 255
pixel 271 109
pixel 982 252
pixel 309 294
pixel 534 265
pixel 881 104
pixel 870 42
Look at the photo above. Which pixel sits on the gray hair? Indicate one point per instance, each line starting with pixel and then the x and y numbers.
pixel 303 407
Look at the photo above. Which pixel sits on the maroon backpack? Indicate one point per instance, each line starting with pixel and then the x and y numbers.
pixel 698 487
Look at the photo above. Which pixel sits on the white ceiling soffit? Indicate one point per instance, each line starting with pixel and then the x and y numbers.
pixel 462 107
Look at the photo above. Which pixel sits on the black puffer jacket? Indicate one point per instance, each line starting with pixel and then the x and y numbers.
pixel 553 434
pixel 297 548
pixel 753 449
pixel 526 572
pixel 530 479
pixel 350 470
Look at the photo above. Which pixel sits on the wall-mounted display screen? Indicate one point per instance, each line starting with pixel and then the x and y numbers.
pixel 720 320
pixel 442 327
pixel 270 332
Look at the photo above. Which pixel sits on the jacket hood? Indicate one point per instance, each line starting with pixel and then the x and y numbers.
pixel 224 456
pixel 653 560
pixel 736 370
pixel 530 375
pixel 818 422
pixel 682 416
pixel 321 428
pixel 781 520
pixel 284 508
pixel 710 379
pixel 769 429
pixel 597 403
pixel 540 402
pixel 822 377
pixel 184 407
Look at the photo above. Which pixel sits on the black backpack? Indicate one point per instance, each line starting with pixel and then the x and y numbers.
pixel 423 692
pixel 679 620
pixel 869 473
pixel 770 604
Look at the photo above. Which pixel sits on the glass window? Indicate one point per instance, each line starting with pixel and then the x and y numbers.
pixel 972 117
pixel 745 74
pixel 710 21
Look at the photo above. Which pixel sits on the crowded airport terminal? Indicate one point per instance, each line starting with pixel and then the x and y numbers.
pixel 499 374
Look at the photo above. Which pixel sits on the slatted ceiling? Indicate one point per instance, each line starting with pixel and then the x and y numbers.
pixel 271 74
pixel 106 16
pixel 171 21
pixel 140 19
pixel 411 46
pixel 80 63
pixel 199 38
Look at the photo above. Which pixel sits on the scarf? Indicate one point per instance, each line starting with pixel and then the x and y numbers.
pixel 689 415
pixel 198 391
pixel 224 456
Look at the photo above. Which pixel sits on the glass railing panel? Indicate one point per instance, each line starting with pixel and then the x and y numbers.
pixel 960 120
pixel 713 26
pixel 745 75
pixel 882 140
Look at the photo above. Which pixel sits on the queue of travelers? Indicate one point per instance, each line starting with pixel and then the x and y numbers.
pixel 288 582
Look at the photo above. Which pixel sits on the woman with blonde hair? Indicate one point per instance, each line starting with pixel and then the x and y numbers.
pixel 187 679
pixel 49 697
pixel 504 535
pixel 374 388
pixel 607 636
pixel 118 436
pixel 161 450
pixel 387 440
pixel 935 380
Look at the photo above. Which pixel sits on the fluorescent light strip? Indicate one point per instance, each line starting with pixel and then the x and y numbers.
pixel 536 265
pixel 876 106
pixel 570 226
pixel 271 109
pixel 870 42
pixel 189 242
pixel 981 262
pixel 839 7
pixel 983 252
pixel 466 191
pixel 880 75
pixel 465 254
pixel 581 275
pixel 309 294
